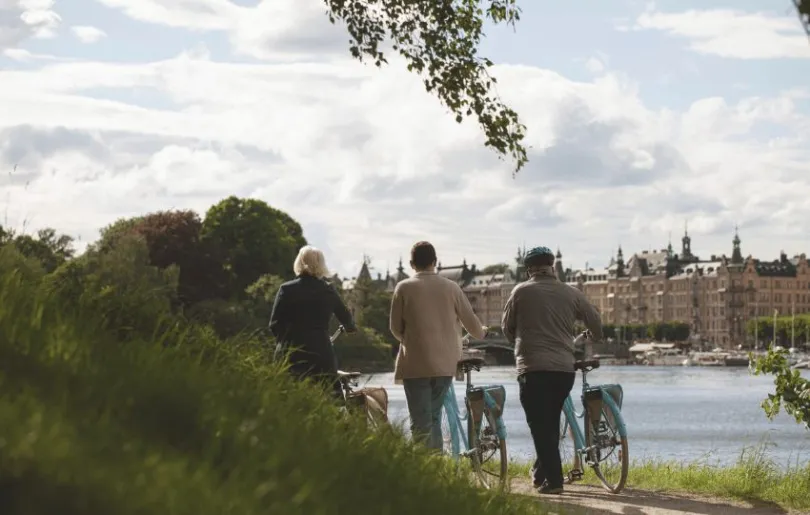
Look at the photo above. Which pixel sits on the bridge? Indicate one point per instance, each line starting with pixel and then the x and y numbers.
pixel 496 352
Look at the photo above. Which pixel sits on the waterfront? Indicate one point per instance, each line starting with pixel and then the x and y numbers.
pixel 672 413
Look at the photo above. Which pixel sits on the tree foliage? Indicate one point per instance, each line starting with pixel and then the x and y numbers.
pixel 439 40
pixel 499 268
pixel 120 286
pixel 787 329
pixel 46 247
pixel 251 239
pixel 792 391
pixel 173 238
pixel 262 294
pixel 171 269
pixel 669 331
pixel 803 7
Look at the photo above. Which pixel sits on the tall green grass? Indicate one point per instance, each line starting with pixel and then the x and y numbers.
pixel 188 424
pixel 755 476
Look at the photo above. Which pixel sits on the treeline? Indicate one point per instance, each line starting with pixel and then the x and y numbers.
pixel 787 328
pixel 175 267
pixel 662 331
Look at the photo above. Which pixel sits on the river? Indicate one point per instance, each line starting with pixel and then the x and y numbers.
pixel 683 414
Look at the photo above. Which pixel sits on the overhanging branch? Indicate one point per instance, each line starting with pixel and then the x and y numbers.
pixel 803 7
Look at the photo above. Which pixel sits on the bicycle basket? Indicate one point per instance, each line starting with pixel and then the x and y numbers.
pixel 373 400
pixel 496 392
pixel 616 393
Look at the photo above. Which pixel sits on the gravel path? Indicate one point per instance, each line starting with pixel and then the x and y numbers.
pixel 595 500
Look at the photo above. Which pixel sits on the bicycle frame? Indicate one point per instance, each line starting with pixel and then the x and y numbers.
pixel 571 416
pixel 454 416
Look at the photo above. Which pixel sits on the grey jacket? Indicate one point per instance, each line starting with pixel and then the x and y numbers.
pixel 539 320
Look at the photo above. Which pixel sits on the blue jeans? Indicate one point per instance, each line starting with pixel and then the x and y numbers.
pixel 425 396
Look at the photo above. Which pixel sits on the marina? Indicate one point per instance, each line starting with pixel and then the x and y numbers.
pixel 654 354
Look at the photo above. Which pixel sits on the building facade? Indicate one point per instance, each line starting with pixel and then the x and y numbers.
pixel 716 296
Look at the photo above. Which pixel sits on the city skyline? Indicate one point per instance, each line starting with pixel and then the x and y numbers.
pixel 383 266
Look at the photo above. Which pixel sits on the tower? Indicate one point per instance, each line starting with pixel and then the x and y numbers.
pixel 736 253
pixel 558 266
pixel 620 263
pixel 686 244
pixel 519 268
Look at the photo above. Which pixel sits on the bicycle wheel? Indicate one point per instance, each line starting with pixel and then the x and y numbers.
pixel 489 452
pixel 568 451
pixel 609 456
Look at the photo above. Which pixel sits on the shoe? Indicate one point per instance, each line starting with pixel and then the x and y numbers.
pixel 547 489
pixel 536 483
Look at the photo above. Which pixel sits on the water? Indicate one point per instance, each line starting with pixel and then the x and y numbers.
pixel 672 413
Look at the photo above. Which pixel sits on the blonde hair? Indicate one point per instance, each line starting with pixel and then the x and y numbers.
pixel 310 261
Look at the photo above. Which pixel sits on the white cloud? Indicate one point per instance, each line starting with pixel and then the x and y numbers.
pixel 272 29
pixel 21 55
pixel 88 34
pixel 371 162
pixel 23 19
pixel 732 33
pixel 594 65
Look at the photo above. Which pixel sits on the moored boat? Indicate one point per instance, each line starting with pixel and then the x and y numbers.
pixel 736 360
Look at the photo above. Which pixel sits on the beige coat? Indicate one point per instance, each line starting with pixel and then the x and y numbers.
pixel 427 314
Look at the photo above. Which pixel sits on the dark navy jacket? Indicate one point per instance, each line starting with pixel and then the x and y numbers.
pixel 300 322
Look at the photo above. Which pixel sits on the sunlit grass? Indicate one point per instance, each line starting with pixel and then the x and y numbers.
pixel 753 477
pixel 188 424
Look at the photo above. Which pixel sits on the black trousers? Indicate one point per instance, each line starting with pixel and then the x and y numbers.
pixel 542 395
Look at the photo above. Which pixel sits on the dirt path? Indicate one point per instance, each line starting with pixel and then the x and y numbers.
pixel 595 500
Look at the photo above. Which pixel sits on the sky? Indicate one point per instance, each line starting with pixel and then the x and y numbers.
pixel 642 118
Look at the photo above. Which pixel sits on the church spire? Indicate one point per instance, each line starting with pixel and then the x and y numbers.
pixel 686 242
pixel 558 266
pixel 620 263
pixel 736 253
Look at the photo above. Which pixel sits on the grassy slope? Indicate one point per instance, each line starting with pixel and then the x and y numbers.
pixel 188 425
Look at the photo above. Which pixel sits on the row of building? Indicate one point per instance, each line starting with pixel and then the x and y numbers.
pixel 715 296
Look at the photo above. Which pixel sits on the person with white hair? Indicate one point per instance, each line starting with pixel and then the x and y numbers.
pixel 300 319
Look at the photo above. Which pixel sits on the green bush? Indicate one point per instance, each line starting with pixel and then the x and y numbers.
pixel 364 350
pixel 183 423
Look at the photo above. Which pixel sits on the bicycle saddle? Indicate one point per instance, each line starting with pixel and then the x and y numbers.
pixel 348 375
pixel 588 364
pixel 471 363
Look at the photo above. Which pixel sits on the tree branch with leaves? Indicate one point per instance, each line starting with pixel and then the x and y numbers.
pixel 439 40
pixel 792 390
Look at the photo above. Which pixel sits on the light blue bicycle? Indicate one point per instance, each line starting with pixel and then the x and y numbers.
pixel 484 441
pixel 601 441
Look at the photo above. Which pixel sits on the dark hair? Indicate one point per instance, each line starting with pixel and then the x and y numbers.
pixel 539 260
pixel 423 255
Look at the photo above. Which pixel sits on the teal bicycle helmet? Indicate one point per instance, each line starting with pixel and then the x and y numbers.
pixel 538 251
